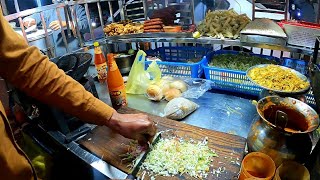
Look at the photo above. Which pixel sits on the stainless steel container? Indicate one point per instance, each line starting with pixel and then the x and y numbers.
pixel 124 62
pixel 290 141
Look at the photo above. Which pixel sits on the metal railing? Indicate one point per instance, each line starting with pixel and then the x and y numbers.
pixel 70 16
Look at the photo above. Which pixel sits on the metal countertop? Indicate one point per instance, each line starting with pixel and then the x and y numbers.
pixel 218 111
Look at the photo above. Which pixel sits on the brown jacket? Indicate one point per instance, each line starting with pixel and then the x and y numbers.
pixel 25 68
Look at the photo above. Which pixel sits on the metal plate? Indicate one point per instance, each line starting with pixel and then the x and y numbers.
pixel 301 76
pixel 247 38
pixel 264 27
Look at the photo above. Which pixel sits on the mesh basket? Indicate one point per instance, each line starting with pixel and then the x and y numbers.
pixel 184 61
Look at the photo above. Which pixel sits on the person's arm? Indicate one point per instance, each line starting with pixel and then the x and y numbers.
pixel 33 73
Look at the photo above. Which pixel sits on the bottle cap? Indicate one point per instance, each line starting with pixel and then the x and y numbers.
pixel 96 44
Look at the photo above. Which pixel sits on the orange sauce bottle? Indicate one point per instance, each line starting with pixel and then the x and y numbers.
pixel 100 63
pixel 115 84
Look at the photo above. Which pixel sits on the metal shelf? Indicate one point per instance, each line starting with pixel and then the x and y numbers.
pixel 187 38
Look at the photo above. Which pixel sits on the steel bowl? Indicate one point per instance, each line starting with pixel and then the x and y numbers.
pixel 301 76
pixel 124 62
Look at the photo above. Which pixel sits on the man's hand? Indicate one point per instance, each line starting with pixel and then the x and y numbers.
pixel 27 22
pixel 55 25
pixel 133 126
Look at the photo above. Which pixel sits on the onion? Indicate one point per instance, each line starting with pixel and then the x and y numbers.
pixel 154 93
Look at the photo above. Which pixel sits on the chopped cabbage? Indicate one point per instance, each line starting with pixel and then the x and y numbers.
pixel 175 156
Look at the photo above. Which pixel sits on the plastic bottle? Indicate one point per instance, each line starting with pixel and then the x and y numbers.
pixel 100 63
pixel 115 83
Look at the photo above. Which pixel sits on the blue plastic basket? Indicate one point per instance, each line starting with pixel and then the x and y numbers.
pixel 232 80
pixel 297 64
pixel 175 60
pixel 302 67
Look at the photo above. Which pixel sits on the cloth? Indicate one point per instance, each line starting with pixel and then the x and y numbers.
pixel 25 68
pixel 73 43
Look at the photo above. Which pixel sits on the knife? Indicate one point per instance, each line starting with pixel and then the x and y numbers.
pixel 140 159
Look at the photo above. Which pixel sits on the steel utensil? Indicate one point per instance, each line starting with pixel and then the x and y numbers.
pixel 301 76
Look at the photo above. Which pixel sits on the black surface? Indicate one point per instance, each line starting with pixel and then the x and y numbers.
pixel 65 164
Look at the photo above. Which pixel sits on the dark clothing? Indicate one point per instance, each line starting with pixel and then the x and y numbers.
pixel 307 11
pixel 73 43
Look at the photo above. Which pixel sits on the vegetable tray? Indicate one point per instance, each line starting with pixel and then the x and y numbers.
pixel 232 80
pixel 180 61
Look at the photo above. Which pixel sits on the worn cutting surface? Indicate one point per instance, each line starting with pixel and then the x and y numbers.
pixel 109 146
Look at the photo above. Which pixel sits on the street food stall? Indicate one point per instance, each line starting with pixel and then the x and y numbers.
pixel 223 93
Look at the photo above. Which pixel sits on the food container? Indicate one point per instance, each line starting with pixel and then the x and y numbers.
pixel 291 170
pixel 257 165
pixel 180 61
pixel 232 80
pixel 124 62
pixel 281 140
pixel 172 28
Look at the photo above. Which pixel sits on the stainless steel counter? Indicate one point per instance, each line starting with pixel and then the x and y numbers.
pixel 218 111
pixel 221 112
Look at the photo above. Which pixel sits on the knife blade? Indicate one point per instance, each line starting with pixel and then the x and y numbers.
pixel 140 159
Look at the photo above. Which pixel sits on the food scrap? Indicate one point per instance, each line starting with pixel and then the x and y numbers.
pixel 176 156
pixel 277 78
pixel 223 23
pixel 133 151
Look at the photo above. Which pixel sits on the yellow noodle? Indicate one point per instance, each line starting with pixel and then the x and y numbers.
pixel 276 78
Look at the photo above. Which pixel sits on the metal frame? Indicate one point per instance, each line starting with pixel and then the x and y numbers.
pixel 285 12
pixel 70 26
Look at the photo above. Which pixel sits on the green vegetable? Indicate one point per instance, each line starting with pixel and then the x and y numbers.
pixel 131 52
pixel 240 61
pixel 175 156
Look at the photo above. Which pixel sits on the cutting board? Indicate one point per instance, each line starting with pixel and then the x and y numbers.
pixel 109 145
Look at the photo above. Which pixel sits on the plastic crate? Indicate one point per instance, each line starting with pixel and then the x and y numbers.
pixel 297 64
pixel 232 80
pixel 175 60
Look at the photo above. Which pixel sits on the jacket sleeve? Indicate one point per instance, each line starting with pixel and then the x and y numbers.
pixel 25 68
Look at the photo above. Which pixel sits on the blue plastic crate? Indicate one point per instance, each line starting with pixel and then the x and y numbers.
pixel 297 64
pixel 175 60
pixel 302 67
pixel 232 80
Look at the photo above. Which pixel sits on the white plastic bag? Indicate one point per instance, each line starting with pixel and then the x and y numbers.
pixel 179 108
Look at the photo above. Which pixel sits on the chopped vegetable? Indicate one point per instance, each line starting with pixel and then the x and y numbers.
pixel 133 151
pixel 240 61
pixel 175 156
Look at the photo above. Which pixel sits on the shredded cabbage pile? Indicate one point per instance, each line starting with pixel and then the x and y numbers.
pixel 174 156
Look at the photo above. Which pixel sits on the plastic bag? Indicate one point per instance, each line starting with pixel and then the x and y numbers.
pixel 179 108
pixel 139 78
pixel 196 87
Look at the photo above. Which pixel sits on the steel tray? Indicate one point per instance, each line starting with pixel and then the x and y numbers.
pixel 152 35
pixel 303 77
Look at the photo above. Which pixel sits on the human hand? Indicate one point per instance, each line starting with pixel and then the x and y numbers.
pixel 55 25
pixel 28 22
pixel 133 126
